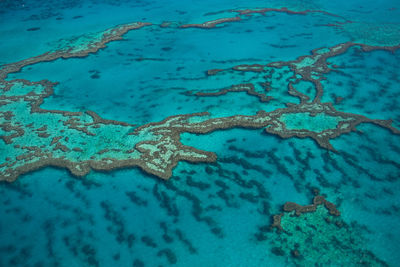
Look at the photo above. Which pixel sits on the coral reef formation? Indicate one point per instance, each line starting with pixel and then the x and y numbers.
pixel 316 235
pixel 80 141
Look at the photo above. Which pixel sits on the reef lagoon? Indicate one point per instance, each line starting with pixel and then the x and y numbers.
pixel 199 133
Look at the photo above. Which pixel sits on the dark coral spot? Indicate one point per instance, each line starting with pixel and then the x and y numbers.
pixel 33 29
pixel 138 263
pixel 278 251
pixel 171 257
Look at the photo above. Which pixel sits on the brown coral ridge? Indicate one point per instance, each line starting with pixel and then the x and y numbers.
pixel 241 67
pixel 168 150
pixel 320 64
pixel 39 152
pixel 312 73
pixel 299 210
pixel 248 12
pixel 114 34
pixel 169 131
pixel 348 124
pixel 262 11
pixel 212 23
pixel 244 87
pixel 36 100
pixel 160 155
pixel 318 200
pixel 252 67
pixel 213 71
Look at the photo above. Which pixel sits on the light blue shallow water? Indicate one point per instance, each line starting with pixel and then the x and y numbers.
pixel 215 214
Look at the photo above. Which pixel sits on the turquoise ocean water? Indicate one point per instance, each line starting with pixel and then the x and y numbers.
pixel 206 214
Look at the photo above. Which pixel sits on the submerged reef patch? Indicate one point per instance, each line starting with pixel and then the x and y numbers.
pixel 315 234
pixel 371 34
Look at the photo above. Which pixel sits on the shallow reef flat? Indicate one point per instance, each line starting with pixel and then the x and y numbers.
pixel 232 114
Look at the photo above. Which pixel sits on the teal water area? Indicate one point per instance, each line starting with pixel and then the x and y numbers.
pixel 216 214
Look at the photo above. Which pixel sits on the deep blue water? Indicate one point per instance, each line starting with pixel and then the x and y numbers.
pixel 202 215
